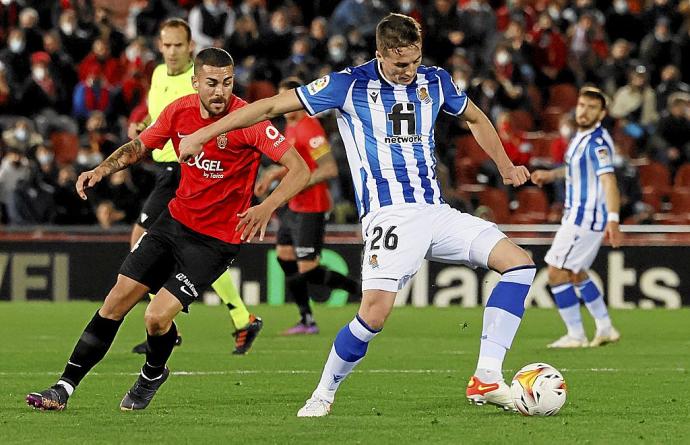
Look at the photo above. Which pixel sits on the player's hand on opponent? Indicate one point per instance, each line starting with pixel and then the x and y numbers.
pixel 515 175
pixel 190 146
pixel 87 180
pixel 254 219
pixel 612 232
pixel 541 177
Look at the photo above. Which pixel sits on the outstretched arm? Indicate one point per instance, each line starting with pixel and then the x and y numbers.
pixel 251 114
pixel 123 157
pixel 256 218
pixel 485 134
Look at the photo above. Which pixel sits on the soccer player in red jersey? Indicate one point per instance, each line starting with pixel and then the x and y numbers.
pixel 191 244
pixel 301 232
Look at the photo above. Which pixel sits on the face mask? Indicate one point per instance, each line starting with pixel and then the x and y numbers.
pixel 621 7
pixel 488 92
pixel 45 158
pixel 67 28
pixel 337 54
pixel 132 53
pixel 554 12
pixel 460 83
pixel 20 133
pixel 39 73
pixel 502 58
pixel 618 160
pixel 565 131
pixel 406 6
pixel 16 45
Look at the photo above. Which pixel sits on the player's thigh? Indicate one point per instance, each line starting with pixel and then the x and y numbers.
pixel 396 239
pixel 137 232
pixel 199 261
pixel 461 238
pixel 167 181
pixel 507 255
pixel 308 233
pixel 151 260
pixel 574 248
pixel 122 297
pixel 161 312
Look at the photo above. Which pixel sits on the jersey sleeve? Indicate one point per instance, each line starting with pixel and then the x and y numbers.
pixel 267 139
pixel 454 99
pixel 601 154
pixel 315 139
pixel 160 130
pixel 325 92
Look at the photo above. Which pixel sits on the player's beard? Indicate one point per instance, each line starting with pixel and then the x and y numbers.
pixel 212 102
pixel 584 124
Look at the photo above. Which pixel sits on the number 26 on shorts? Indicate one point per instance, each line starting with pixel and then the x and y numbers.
pixel 390 239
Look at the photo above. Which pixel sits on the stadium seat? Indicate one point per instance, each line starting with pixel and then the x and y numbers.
pixel 536 99
pixel 541 146
pixel 563 96
pixel 680 201
pixel 682 178
pixel 497 201
pixel 468 147
pixel 521 120
pixel 260 89
pixel 655 175
pixel 551 119
pixel 65 146
pixel 653 198
pixel 533 206
pixel 465 171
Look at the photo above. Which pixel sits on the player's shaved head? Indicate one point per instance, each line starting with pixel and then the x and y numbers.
pixel 212 57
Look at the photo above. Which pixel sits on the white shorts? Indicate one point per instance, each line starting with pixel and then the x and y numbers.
pixel 398 238
pixel 574 248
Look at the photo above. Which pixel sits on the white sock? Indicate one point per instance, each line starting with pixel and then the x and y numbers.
pixel 600 313
pixel 69 388
pixel 573 321
pixel 348 350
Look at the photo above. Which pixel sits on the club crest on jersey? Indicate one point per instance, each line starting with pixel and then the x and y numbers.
pixel 423 95
pixel 222 140
pixel 374 261
pixel 318 85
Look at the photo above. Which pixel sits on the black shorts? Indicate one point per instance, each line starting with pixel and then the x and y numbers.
pixel 167 180
pixel 177 258
pixel 303 231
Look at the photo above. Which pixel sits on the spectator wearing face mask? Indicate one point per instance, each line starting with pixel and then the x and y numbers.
pixel 14 168
pixel 21 136
pixel 318 37
pixel 623 24
pixel 40 91
pixel 16 58
pixel 28 22
pixel 211 23
pixel 657 49
pixel 47 167
pixel 635 104
pixel 615 70
pixel 75 40
pixel 337 53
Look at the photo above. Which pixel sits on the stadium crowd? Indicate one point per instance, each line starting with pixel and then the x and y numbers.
pixel 74 75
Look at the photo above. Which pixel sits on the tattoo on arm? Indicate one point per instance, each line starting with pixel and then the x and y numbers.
pixel 123 157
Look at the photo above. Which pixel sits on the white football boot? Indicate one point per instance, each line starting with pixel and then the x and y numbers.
pixel 315 407
pixel 480 393
pixel 610 335
pixel 569 342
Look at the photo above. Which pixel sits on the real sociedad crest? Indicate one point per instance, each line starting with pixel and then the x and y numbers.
pixel 423 95
pixel 222 140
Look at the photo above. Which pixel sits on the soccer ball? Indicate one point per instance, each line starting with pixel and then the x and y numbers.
pixel 538 389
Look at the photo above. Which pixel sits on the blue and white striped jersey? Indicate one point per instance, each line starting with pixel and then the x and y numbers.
pixel 589 155
pixel 387 129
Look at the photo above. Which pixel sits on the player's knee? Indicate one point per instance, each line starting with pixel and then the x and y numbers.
pixel 156 322
pixel 557 276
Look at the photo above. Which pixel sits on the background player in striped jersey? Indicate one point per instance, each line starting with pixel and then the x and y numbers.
pixel 386 110
pixel 172 80
pixel 302 224
pixel 592 202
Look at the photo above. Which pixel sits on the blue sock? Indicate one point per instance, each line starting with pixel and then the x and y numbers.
pixel 595 304
pixel 502 318
pixel 569 308
pixel 348 349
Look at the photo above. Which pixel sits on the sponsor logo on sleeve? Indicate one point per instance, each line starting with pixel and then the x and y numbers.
pixel 603 156
pixel 318 85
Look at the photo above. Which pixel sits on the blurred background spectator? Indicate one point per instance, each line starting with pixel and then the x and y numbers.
pixel 74 74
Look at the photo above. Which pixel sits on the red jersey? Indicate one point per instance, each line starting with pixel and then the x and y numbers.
pixel 218 183
pixel 309 138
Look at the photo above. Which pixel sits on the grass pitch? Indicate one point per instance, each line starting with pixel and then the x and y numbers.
pixel 409 389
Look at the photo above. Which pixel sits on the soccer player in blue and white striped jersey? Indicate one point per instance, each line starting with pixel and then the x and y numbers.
pixel 386 110
pixel 592 202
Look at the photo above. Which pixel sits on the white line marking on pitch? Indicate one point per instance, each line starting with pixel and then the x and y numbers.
pixel 363 371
